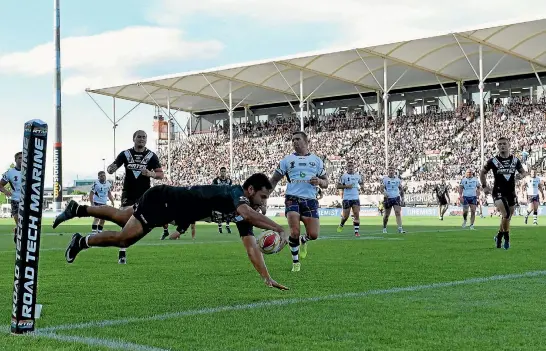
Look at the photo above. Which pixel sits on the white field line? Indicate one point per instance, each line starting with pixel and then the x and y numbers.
pixel 285 302
pixel 97 342
pixel 178 242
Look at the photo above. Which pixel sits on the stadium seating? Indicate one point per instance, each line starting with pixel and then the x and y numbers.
pixel 423 147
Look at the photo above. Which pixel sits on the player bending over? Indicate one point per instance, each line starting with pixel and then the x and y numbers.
pixel 504 167
pixel 393 198
pixel 98 196
pixel 469 190
pixel 183 206
pixel 304 171
pixel 442 195
pixel 350 183
pixel 13 178
pixel 533 185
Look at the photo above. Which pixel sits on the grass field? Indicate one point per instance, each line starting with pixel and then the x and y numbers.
pixel 435 288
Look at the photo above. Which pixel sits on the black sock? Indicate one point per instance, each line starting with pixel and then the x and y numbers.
pixel 100 227
pixel 343 220
pixel 465 216
pixel 507 236
pixel 81 211
pixel 500 235
pixel 94 227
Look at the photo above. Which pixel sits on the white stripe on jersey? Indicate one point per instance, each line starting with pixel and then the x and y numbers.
pixel 100 192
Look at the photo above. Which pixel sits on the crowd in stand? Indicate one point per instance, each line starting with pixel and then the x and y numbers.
pixel 425 147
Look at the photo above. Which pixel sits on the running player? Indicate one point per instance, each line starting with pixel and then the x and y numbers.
pixel 533 185
pixel 442 194
pixel 13 178
pixel 504 167
pixel 141 165
pixel 98 196
pixel 350 182
pixel 304 171
pixel 469 190
pixel 182 205
pixel 393 193
pixel 222 180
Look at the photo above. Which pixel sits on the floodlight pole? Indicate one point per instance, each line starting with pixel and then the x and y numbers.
pixel 385 112
pixel 482 117
pixel 168 134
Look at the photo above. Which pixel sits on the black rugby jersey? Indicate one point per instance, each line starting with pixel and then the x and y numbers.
pixel 196 203
pixel 220 181
pixel 135 184
pixel 504 173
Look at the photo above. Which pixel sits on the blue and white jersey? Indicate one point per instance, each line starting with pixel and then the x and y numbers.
pixel 354 180
pixel 13 178
pixel 532 185
pixel 299 169
pixel 470 186
pixel 392 186
pixel 100 192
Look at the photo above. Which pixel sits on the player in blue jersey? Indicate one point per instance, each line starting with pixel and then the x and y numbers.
pixel 393 199
pixel 98 196
pixel 304 171
pixel 469 190
pixel 13 178
pixel 533 185
pixel 349 183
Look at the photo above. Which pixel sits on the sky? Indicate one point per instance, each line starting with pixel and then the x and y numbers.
pixel 107 42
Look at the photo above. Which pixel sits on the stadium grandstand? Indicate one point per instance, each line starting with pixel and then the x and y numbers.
pixel 430 107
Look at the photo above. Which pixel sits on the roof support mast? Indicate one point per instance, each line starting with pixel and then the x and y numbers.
pixel 300 96
pixel 385 90
pixel 481 86
pixel 230 108
pixel 539 80
pixel 114 121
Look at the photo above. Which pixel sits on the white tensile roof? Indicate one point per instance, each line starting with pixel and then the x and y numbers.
pixel 427 61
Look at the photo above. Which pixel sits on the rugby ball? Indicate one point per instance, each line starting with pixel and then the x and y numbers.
pixel 269 242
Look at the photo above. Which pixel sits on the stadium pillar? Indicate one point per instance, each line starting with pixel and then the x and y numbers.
pixel 301 101
pixel 482 117
pixel 230 131
pixel 459 94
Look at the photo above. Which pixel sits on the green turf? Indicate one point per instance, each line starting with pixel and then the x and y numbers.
pixel 176 276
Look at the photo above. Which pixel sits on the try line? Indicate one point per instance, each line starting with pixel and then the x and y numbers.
pixel 285 302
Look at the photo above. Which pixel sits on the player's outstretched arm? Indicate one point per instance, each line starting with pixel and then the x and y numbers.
pixel 258 262
pixel 258 220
